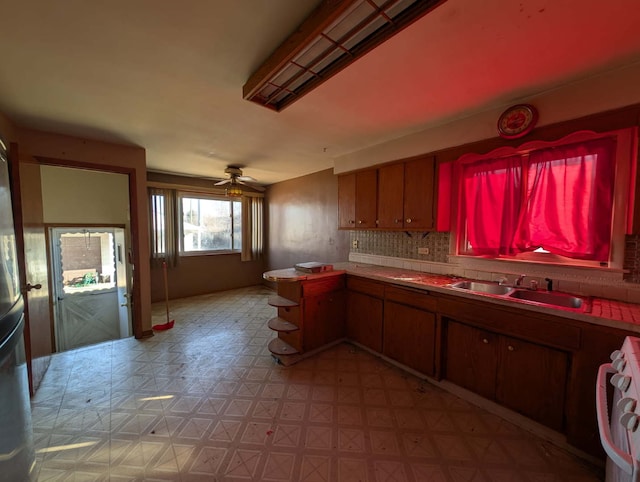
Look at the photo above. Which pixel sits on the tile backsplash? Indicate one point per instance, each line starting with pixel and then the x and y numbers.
pixel 632 258
pixel 400 249
pixel 402 244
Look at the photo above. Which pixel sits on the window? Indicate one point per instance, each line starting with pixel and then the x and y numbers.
pixel 192 223
pixel 554 199
pixel 158 223
pixel 210 224
pixel 162 226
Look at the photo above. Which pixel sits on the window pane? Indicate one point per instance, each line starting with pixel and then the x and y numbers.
pixel 88 261
pixel 206 224
pixel 237 225
pixel 157 221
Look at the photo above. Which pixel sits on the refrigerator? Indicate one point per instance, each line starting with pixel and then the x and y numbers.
pixel 17 459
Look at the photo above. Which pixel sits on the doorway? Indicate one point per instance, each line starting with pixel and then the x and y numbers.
pixel 90 285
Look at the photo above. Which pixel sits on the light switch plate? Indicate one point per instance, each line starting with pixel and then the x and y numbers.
pixel 423 250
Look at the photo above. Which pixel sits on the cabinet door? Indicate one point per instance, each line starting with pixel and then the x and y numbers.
pixel 471 358
pixel 532 380
pixel 409 336
pixel 364 320
pixel 324 319
pixel 366 198
pixel 347 201
pixel 391 196
pixel 419 193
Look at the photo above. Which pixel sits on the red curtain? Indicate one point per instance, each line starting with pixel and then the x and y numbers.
pixel 492 193
pixel 569 200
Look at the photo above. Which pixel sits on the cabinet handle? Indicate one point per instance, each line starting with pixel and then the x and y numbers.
pixel 351 221
pixel 360 222
pixel 510 348
pixel 408 220
pixel 485 341
pixel 396 221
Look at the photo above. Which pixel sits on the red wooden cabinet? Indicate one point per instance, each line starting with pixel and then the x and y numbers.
pixel 357 199
pixel 526 377
pixel 364 312
pixel 406 193
pixel 391 196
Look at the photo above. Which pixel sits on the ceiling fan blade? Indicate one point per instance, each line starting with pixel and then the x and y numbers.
pixel 252 186
pixel 246 178
pixel 220 183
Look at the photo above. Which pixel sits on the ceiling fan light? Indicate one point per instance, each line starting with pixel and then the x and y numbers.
pixel 233 191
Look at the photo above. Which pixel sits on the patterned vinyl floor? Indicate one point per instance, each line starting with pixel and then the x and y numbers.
pixel 205 401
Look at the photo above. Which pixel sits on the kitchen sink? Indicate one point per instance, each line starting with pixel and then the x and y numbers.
pixel 480 287
pixel 549 298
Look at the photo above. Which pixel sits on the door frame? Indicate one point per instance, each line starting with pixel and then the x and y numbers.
pixel 134 230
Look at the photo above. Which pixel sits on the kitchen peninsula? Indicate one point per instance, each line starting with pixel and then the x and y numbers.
pixel 311 312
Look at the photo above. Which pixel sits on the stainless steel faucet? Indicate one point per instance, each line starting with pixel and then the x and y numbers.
pixel 519 280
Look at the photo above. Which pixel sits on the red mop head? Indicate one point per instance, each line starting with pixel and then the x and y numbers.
pixel 164 326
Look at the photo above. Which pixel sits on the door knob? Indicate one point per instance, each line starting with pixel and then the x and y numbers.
pixel 33 287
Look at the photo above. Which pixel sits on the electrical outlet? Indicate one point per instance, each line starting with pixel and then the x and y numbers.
pixel 354 244
pixel 423 250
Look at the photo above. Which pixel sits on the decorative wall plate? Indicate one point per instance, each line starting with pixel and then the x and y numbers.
pixel 517 121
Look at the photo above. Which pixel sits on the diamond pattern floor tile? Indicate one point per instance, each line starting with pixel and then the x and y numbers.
pixel 205 401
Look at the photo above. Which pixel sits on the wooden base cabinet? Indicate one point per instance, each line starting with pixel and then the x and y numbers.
pixel 311 314
pixel 364 312
pixel 471 358
pixel 325 317
pixel 364 320
pixel 409 336
pixel 528 378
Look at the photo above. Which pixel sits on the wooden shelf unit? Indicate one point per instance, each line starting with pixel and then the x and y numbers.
pixel 311 314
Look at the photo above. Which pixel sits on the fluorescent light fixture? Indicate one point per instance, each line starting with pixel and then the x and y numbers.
pixel 335 34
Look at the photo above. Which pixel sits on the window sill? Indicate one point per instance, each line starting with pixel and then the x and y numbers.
pixel 208 253
pixel 538 268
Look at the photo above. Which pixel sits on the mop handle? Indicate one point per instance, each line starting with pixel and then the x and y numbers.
pixel 166 287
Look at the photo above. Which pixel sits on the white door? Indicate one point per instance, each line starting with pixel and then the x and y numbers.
pixel 89 286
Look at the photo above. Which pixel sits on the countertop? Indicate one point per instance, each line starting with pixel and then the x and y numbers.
pixel 604 312
pixel 292 274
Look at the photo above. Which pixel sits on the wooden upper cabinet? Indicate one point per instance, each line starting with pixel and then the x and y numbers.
pixel 419 193
pixel 391 196
pixel 346 201
pixel 406 194
pixel 357 199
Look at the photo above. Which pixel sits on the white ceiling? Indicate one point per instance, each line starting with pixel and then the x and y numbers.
pixel 167 75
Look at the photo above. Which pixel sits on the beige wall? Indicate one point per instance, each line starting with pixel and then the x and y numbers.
pixel 77 152
pixel 617 88
pixel 303 221
pixel 196 275
pixel 79 196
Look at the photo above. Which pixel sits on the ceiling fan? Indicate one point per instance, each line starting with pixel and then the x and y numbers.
pixel 235 180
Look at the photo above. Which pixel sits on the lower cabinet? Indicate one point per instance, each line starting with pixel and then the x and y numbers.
pixel 324 316
pixel 364 320
pixel 471 358
pixel 526 377
pixel 409 336
pixel 364 312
